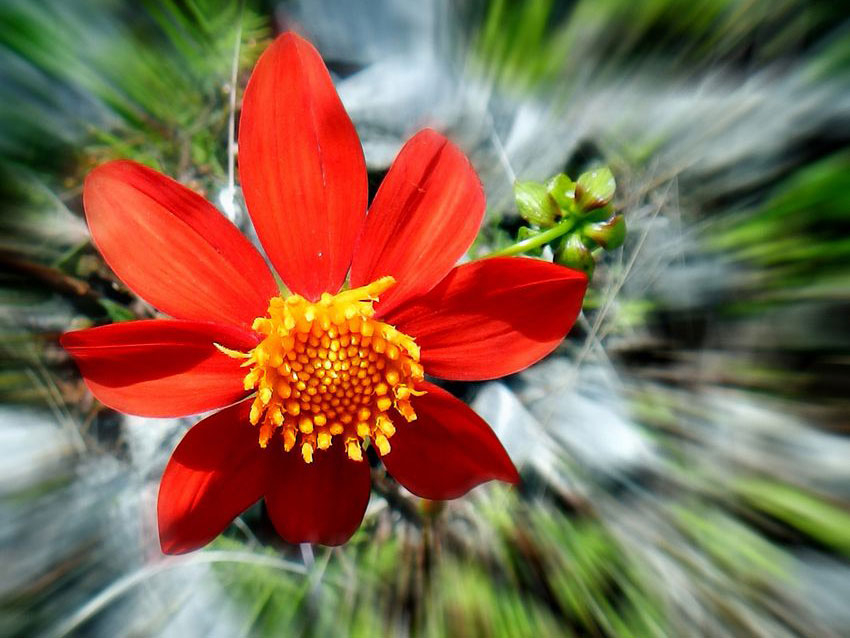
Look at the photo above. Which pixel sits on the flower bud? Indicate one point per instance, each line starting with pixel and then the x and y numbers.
pixel 609 234
pixel 574 254
pixel 562 189
pixel 534 203
pixel 595 188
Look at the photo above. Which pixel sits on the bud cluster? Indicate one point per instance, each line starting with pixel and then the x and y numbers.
pixel 582 208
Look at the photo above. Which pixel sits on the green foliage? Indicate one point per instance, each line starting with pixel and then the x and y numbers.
pixel 736 548
pixel 155 92
pixel 516 46
pixel 527 46
pixel 270 598
pixel 812 515
pixel 553 575
pixel 85 82
pixel 798 237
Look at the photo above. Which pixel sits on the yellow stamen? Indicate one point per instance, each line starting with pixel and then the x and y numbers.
pixel 324 440
pixel 328 368
pixel 235 354
pixel 352 448
pixel 307 452
pixel 288 439
pixel 382 443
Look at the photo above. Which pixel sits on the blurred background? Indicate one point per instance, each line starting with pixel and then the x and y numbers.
pixel 685 454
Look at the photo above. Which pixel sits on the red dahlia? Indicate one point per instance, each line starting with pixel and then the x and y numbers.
pixel 304 380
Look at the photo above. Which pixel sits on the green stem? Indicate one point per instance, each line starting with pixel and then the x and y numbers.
pixel 70 254
pixel 535 242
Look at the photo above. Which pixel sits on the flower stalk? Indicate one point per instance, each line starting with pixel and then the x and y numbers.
pixel 537 241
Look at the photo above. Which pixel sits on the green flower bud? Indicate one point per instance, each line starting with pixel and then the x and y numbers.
pixel 609 234
pixel 534 204
pixel 574 254
pixel 595 188
pixel 562 189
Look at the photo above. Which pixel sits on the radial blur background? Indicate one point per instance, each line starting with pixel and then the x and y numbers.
pixel 685 454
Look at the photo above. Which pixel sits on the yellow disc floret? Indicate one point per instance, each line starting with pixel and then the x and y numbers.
pixel 326 371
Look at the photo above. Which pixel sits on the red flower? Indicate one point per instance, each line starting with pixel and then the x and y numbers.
pixel 316 371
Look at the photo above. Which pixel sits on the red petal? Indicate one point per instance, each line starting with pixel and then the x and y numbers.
pixel 447 450
pixel 301 167
pixel 217 471
pixel 173 248
pixel 321 502
pixel 424 217
pixel 493 317
pixel 160 367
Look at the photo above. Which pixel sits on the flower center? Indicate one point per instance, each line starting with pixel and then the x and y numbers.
pixel 328 369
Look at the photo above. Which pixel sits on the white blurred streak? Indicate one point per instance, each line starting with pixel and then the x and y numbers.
pixel 121 586
pixel 610 294
pixel 403 85
pixel 529 445
pixel 775 441
pixel 35 450
pixel 150 441
pixel 588 417
pixel 47 218
pixel 391 99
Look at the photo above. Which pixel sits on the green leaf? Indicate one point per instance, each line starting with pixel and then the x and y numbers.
pixel 801 510
pixel 115 311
